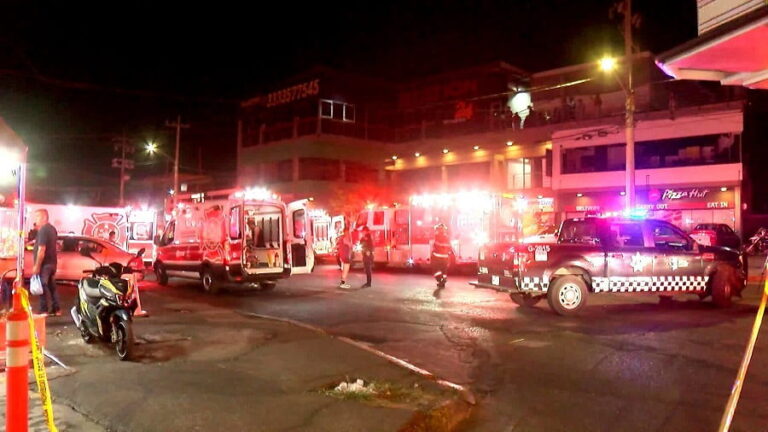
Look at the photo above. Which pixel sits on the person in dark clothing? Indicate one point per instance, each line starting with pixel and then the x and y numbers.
pixel 366 245
pixel 44 259
pixel 441 255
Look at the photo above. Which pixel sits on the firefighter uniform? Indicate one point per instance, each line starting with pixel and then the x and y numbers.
pixel 441 255
pixel 366 246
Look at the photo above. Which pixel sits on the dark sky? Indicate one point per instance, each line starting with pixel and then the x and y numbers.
pixel 74 72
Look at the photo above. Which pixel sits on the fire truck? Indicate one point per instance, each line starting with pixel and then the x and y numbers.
pixel 403 235
pixel 235 236
pixel 134 228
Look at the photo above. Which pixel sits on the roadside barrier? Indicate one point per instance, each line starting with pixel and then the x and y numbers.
pixel 16 369
pixel 733 400
pixel 38 362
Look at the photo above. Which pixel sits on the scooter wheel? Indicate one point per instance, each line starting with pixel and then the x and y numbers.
pixel 87 336
pixel 124 342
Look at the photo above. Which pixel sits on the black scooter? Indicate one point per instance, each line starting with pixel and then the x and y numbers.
pixel 105 305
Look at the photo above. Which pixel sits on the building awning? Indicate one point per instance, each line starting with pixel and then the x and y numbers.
pixel 735 53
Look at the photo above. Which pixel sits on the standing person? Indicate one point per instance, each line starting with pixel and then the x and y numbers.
pixel 44 260
pixel 344 243
pixel 441 254
pixel 366 243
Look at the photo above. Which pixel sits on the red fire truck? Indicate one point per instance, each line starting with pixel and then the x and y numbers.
pixel 403 235
pixel 239 236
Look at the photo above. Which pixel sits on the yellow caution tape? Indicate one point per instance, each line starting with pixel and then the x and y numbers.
pixel 733 400
pixel 39 365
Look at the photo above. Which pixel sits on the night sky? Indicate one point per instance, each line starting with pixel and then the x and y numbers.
pixel 74 74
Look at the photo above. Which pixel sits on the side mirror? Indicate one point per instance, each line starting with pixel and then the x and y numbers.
pixel 141 252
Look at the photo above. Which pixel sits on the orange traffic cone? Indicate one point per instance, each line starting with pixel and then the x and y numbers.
pixel 17 367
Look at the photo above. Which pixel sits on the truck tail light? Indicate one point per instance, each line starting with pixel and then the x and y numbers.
pixel 709 256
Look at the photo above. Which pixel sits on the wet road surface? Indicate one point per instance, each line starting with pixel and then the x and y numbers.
pixel 625 363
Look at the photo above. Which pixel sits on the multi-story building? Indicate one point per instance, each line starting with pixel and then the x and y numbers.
pixel 546 137
pixel 319 135
pixel 688 168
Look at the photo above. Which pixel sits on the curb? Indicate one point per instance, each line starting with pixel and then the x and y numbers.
pixel 445 417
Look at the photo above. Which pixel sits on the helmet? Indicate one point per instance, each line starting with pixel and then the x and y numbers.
pixel 441 227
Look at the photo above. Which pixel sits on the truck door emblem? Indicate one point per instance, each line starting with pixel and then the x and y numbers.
pixel 639 262
pixel 676 263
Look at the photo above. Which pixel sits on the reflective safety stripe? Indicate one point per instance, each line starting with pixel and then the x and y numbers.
pixel 534 284
pixel 16 330
pixel 650 284
pixel 16 357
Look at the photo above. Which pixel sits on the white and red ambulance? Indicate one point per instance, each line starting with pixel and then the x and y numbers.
pixel 235 236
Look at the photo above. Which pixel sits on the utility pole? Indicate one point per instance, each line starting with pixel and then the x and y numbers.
pixel 178 125
pixel 123 146
pixel 630 108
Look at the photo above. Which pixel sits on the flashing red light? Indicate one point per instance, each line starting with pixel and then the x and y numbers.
pixel 709 256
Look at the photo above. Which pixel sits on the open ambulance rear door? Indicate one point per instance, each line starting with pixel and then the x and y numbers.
pixel 300 238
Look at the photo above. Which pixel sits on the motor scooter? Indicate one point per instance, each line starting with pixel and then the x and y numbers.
pixel 106 303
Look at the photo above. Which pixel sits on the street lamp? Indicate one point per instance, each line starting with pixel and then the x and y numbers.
pixel 151 147
pixel 610 65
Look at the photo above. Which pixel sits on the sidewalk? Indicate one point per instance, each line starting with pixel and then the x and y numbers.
pixel 67 419
pixel 209 369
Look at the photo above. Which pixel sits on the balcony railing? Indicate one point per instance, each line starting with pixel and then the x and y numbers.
pixel 670 96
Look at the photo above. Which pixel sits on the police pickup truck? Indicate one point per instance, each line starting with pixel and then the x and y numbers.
pixel 611 255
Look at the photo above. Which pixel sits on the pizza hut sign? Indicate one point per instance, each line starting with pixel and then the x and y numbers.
pixel 695 194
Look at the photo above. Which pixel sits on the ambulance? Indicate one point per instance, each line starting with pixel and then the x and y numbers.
pixel 325 231
pixel 245 237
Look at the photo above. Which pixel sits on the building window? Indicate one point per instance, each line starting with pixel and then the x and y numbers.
pixel 359 173
pixel 326 108
pixel 285 171
pixel 349 113
pixel 319 169
pixel 594 159
pixel 526 173
pixel 335 110
pixel 697 150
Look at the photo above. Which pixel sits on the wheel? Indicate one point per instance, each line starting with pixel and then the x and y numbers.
pixel 267 285
pixel 124 341
pixel 567 295
pixel 724 285
pixel 161 275
pixel 87 336
pixel 209 282
pixel 525 299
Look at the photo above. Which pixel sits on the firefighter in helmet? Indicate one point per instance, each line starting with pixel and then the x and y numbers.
pixel 441 254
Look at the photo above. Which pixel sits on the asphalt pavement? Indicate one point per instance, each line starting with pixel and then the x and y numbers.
pixel 626 363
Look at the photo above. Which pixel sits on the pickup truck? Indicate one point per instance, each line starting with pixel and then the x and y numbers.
pixel 611 255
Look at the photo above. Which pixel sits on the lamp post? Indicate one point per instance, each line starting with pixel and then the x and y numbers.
pixel 609 65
